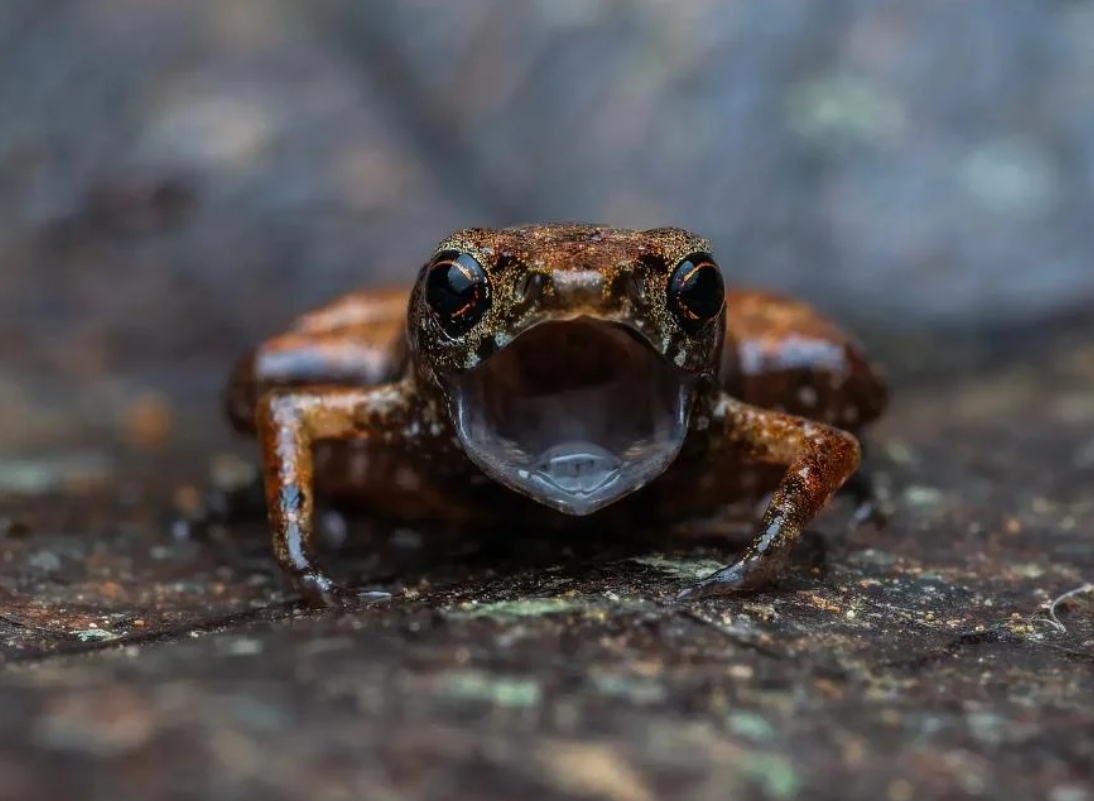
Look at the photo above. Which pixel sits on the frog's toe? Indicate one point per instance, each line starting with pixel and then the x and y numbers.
pixel 748 574
pixel 321 591
pixel 726 581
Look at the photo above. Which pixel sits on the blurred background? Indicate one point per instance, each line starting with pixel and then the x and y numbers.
pixel 179 179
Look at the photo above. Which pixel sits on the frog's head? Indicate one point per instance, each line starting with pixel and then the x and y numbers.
pixel 569 356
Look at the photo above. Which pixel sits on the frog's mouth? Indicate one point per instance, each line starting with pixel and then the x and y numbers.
pixel 575 414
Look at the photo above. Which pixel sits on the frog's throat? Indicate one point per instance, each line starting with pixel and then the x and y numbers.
pixel 574 414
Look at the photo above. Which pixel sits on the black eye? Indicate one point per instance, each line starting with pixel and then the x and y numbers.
pixel 457 291
pixel 696 291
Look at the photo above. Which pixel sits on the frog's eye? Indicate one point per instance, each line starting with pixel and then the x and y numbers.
pixel 696 291
pixel 457 291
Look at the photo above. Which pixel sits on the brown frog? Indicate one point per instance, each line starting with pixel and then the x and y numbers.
pixel 541 373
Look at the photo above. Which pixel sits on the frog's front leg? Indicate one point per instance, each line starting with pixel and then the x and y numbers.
pixel 819 460
pixel 290 422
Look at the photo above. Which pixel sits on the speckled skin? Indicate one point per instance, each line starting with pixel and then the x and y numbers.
pixel 350 403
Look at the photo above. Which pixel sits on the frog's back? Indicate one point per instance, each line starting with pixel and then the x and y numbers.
pixel 357 340
pixel 782 354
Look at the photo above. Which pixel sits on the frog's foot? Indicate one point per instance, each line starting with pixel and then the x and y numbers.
pixel 320 590
pixel 726 581
pixel 753 571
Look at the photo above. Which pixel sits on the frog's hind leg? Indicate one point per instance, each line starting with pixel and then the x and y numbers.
pixel 781 354
pixel 355 341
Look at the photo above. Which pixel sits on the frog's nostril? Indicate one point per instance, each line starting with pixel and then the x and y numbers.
pixel 530 287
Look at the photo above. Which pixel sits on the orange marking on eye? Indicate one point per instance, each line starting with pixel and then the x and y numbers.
pixel 694 269
pixel 683 281
pixel 465 309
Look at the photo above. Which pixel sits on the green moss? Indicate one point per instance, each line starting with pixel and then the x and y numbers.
pixel 694 569
pixel 96 635
pixel 525 607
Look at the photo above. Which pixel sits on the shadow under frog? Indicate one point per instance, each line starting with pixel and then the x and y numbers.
pixel 550 376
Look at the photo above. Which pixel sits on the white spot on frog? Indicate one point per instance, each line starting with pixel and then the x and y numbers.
pixel 383 400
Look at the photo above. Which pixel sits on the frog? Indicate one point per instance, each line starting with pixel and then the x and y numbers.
pixel 553 373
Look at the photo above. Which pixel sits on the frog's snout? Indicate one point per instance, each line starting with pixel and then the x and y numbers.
pixel 576 288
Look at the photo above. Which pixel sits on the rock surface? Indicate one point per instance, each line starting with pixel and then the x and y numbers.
pixel 949 655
